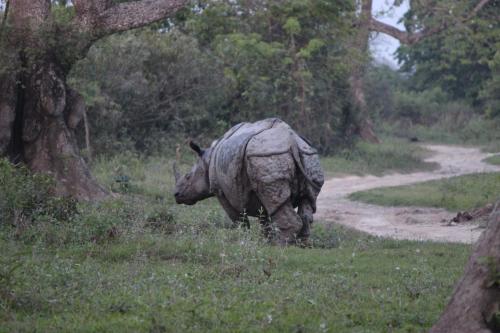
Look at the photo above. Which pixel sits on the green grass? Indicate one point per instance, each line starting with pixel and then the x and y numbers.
pixel 140 263
pixel 392 155
pixel 451 129
pixel 455 194
pixel 493 160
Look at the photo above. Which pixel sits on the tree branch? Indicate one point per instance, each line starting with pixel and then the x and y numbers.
pixel 88 11
pixel 407 38
pixel 135 14
pixel 476 9
pixel 403 36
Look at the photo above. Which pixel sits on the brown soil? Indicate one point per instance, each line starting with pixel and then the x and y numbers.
pixel 416 223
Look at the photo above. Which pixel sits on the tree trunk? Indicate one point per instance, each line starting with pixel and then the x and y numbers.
pixel 475 304
pixel 51 112
pixel 38 111
pixel 361 40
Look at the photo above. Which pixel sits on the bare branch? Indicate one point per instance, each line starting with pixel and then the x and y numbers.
pixel 407 38
pixel 476 9
pixel 135 14
pixel 402 36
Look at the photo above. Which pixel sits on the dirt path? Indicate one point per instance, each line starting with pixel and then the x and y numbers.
pixel 416 223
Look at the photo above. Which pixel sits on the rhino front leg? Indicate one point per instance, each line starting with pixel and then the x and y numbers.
pixel 265 225
pixel 305 212
pixel 289 224
pixel 235 216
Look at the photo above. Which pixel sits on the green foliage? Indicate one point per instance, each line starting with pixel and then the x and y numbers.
pixel 145 89
pixel 429 115
pixel 493 160
pixel 26 197
pixel 222 63
pixel 458 60
pixel 455 194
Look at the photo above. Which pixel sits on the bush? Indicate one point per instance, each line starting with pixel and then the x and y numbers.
pixel 25 197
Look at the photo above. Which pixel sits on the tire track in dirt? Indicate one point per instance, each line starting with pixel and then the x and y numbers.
pixel 416 223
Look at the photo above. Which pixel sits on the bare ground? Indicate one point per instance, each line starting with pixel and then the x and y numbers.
pixel 416 223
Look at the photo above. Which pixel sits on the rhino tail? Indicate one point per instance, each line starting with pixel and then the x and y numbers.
pixel 300 165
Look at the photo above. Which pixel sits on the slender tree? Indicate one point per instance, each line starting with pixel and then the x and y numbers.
pixel 38 111
pixel 356 80
pixel 443 18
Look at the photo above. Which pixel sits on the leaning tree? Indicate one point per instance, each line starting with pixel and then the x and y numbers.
pixel 38 110
pixel 475 303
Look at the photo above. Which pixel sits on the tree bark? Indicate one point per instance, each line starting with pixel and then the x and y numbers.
pixel 356 81
pixel 38 111
pixel 475 304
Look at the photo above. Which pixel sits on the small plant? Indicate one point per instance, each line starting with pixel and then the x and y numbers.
pixel 9 279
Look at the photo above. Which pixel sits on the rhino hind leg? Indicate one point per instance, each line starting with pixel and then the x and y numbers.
pixel 305 212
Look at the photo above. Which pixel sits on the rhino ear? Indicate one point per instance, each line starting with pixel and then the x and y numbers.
pixel 196 148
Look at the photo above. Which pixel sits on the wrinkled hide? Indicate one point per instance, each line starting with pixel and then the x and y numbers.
pixel 262 169
pixel 251 153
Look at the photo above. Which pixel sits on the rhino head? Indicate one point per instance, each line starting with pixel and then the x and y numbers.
pixel 193 186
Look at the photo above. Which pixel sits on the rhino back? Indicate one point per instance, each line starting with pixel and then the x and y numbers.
pixel 226 172
pixel 273 141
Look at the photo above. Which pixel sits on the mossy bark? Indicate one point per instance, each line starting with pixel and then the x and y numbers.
pixel 38 111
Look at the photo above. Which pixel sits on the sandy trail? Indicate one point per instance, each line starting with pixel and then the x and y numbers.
pixel 417 223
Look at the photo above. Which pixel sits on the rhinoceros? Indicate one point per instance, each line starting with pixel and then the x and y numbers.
pixel 262 169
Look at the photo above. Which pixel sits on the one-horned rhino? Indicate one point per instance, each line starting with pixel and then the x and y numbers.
pixel 258 169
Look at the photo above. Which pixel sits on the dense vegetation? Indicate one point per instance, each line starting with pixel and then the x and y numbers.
pixel 223 63
pixel 239 61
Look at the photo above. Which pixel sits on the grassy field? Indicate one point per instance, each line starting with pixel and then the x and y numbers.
pixel 454 129
pixel 455 194
pixel 392 155
pixel 493 160
pixel 140 263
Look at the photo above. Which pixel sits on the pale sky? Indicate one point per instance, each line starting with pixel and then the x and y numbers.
pixel 383 46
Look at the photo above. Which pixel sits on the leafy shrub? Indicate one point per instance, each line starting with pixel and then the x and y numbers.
pixel 25 197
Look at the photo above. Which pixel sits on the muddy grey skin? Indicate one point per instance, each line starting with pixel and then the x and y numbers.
pixel 261 169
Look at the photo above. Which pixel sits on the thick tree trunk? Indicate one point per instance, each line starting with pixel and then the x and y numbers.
pixel 38 111
pixel 475 304
pixel 51 112
pixel 8 100
pixel 361 40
